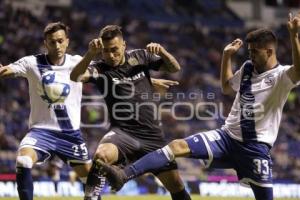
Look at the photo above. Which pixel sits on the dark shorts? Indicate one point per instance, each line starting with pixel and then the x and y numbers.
pixel 217 149
pixel 131 148
pixel 68 146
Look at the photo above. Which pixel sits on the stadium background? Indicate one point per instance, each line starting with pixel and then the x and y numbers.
pixel 195 31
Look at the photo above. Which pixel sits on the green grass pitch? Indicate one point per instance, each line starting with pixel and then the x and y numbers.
pixel 146 197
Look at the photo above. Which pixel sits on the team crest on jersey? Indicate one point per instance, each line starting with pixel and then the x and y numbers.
pixel 133 61
pixel 269 80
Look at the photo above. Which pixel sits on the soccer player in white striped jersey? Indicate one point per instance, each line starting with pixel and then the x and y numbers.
pixel 262 86
pixel 55 109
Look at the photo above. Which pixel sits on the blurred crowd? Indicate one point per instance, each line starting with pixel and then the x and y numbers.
pixel 195 32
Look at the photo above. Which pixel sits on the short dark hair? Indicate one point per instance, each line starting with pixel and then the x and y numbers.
pixel 262 37
pixel 55 26
pixel 110 31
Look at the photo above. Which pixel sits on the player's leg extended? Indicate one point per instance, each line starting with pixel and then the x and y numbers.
pixel 172 181
pixel 25 160
pixel 108 153
pixel 195 146
pixel 149 163
pixel 166 155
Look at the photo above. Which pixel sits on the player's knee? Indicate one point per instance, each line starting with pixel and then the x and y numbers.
pixel 179 147
pixel 24 161
pixel 106 153
pixel 100 154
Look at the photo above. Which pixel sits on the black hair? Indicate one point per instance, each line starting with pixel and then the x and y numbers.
pixel 110 31
pixel 262 37
pixel 55 26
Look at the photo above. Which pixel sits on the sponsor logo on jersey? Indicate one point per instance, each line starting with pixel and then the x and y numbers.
pixel 129 79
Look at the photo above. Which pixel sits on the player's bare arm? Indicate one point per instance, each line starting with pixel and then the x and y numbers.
pixel 293 25
pixel 170 63
pixel 5 71
pixel 80 72
pixel 162 84
pixel 226 69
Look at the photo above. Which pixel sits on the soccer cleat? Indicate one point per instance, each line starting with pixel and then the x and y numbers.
pixel 115 176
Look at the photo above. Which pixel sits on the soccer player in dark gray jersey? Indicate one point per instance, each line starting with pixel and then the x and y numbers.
pixel 123 77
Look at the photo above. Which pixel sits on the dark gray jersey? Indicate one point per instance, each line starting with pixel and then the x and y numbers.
pixel 129 94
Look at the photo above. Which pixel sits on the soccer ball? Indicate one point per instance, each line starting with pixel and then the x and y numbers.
pixel 55 87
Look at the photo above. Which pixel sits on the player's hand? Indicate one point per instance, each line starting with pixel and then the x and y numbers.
pixel 293 23
pixel 233 47
pixel 155 48
pixel 95 46
pixel 162 84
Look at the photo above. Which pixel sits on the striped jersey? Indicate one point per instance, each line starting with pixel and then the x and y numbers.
pixel 55 100
pixel 257 109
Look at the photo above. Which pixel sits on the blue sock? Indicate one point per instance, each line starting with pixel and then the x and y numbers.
pixel 150 162
pixel 262 193
pixel 25 183
pixel 182 195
